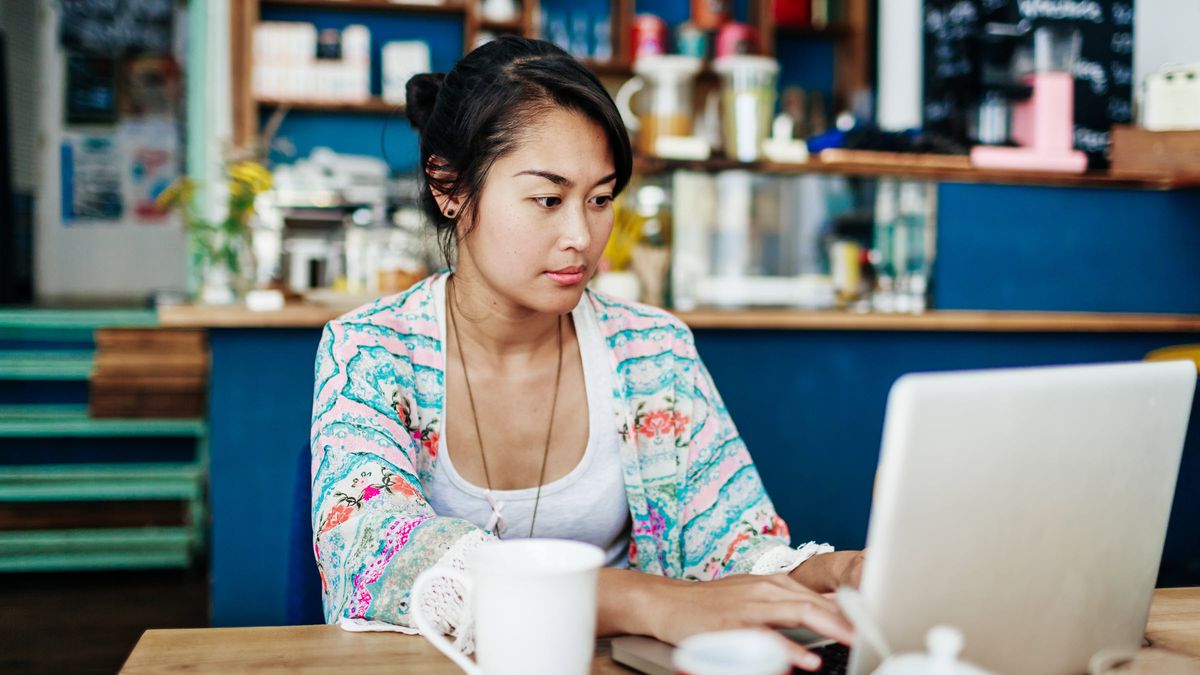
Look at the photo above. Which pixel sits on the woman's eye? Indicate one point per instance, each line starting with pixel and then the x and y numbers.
pixel 547 202
pixel 602 201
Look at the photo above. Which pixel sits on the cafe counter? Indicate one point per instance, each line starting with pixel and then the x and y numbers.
pixel 806 389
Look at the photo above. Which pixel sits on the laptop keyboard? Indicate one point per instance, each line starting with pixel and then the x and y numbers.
pixel 835 657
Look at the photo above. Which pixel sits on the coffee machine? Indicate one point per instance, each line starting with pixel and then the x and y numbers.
pixel 1042 125
pixel 990 120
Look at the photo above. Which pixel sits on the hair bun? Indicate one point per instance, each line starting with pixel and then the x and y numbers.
pixel 420 93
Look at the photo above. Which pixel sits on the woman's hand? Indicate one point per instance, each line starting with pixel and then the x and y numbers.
pixel 671 610
pixel 825 572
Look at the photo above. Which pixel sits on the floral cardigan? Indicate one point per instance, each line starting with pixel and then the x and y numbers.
pixel 698 507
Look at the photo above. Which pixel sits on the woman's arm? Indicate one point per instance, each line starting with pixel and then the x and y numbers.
pixel 633 603
pixel 824 573
pixel 374 532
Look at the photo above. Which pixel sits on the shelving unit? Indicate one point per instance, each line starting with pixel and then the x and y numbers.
pixel 849 36
pixel 58 516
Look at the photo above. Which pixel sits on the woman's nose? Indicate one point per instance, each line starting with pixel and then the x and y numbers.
pixel 576 234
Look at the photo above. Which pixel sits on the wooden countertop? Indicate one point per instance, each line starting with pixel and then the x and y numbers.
pixel 1173 629
pixel 912 166
pixel 315 316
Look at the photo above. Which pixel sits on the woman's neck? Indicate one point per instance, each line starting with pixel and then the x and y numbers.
pixel 495 326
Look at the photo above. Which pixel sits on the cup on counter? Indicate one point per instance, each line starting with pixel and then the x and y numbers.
pixel 533 602
pixel 732 652
pixel 666 83
pixel 747 103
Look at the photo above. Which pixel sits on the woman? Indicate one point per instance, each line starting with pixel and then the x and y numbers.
pixel 506 400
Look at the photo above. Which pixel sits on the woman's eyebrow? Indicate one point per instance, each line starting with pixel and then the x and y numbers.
pixel 552 177
pixel 562 180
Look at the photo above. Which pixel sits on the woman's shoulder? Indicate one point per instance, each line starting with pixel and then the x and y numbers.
pixel 634 321
pixel 410 310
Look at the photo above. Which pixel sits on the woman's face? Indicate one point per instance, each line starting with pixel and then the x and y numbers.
pixel 544 215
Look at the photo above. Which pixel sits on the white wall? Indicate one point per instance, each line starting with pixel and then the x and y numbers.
pixel 900 64
pixel 111 262
pixel 1164 32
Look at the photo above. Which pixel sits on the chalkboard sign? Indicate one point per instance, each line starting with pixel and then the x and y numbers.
pixel 1103 72
pixel 117 27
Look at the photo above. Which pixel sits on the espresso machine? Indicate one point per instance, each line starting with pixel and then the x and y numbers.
pixel 990 120
pixel 1043 125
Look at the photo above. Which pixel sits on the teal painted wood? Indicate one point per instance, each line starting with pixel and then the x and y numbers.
pixel 76 319
pixel 72 421
pixel 97 482
pixel 100 548
pixel 117 548
pixel 46 365
pixel 97 561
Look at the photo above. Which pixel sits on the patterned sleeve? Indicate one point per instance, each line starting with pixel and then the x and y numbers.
pixel 374 531
pixel 730 525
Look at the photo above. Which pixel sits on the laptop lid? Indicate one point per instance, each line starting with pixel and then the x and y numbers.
pixel 1027 507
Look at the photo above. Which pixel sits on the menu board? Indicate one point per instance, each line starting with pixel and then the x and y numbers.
pixel 117 27
pixel 1103 72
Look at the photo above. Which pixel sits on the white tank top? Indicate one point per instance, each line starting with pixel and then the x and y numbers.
pixel 589 503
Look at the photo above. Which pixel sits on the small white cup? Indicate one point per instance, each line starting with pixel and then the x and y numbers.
pixel 732 652
pixel 534 603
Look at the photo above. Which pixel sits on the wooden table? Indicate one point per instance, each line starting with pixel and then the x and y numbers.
pixel 1173 629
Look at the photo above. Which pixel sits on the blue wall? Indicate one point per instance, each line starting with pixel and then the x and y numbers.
pixel 1055 249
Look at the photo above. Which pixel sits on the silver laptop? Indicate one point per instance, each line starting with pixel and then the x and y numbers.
pixel 1027 507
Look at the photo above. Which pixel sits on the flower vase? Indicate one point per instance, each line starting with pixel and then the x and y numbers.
pixel 217 284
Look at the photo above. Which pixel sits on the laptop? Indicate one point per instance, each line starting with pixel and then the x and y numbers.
pixel 1026 507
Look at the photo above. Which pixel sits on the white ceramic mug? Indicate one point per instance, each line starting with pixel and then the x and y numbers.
pixel 534 607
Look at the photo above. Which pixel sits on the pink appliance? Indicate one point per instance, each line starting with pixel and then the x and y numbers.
pixel 1043 126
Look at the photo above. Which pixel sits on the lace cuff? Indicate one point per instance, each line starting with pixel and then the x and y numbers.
pixel 784 559
pixel 443 602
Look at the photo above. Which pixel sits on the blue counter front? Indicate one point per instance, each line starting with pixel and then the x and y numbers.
pixel 809 404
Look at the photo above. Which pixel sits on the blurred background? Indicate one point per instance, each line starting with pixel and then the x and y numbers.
pixel 829 192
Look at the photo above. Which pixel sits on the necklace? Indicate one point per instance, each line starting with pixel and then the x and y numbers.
pixel 475 418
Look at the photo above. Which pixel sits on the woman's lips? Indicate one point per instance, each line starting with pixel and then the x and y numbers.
pixel 567 276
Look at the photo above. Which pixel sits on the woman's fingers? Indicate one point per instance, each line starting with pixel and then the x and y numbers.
pixel 801 657
pixel 809 614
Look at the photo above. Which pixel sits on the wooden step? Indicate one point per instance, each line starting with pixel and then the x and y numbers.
pixel 46 365
pixel 116 548
pixel 152 340
pixel 72 421
pixel 69 324
pixel 74 515
pixel 94 482
pixel 151 364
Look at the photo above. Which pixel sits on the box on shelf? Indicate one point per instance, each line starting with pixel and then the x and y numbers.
pixel 1140 152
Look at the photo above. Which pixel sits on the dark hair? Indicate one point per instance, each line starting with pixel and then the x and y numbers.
pixel 474 114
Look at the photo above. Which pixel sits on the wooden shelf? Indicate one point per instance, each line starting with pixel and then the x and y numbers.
pixel 960 321
pixel 514 26
pixel 374 106
pixel 315 316
pixel 373 5
pixel 916 167
pixel 834 31
pixel 614 67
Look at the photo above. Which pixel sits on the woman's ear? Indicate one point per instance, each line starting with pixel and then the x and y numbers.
pixel 441 178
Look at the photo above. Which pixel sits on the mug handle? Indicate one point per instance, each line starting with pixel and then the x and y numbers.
pixel 425 624
pixel 625 97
